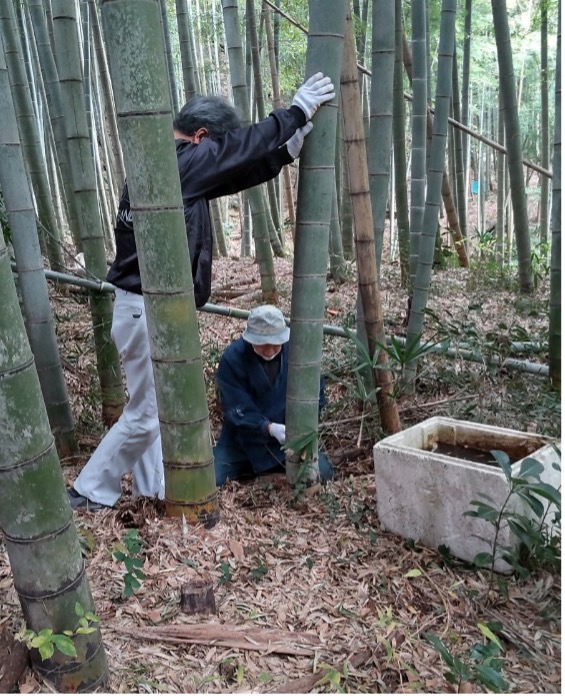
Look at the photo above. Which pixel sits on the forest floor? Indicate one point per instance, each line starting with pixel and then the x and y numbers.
pixel 317 570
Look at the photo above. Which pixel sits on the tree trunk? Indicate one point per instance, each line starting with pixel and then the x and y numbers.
pixel 368 277
pixel 419 133
pixel 315 192
pixel 172 81
pixel 29 133
pixel 255 195
pixel 500 189
pixel 82 170
pixel 555 277
pixel 399 141
pixel 459 179
pixel 544 193
pixel 36 519
pixel 183 23
pixel 465 80
pixel 276 105
pixel 145 122
pixel 55 110
pixel 109 109
pixel 35 296
pixel 446 188
pixel 380 138
pixel 436 174
pixel 513 144
pixel 261 112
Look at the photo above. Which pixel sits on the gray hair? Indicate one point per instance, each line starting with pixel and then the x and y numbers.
pixel 212 113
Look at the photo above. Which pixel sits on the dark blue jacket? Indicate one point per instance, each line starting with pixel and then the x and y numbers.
pixel 250 402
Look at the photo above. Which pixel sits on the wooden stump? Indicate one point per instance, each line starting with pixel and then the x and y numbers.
pixel 197 596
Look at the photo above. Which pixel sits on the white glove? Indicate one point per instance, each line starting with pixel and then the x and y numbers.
pixel 295 142
pixel 313 93
pixel 278 431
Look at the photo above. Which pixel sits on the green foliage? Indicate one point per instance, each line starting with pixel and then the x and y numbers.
pixel 481 666
pixel 47 642
pixel 226 575
pixel 540 263
pixel 539 539
pixel 127 552
pixel 399 353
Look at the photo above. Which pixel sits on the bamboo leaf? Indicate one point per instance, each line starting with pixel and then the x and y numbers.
pixel 485 630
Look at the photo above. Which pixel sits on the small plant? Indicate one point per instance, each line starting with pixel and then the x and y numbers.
pixel 227 575
pixel 540 263
pixel 305 448
pixel 259 571
pixel 539 541
pixel 127 552
pixel 481 666
pixel 47 642
pixel 400 354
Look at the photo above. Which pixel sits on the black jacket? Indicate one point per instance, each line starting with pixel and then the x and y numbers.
pixel 237 160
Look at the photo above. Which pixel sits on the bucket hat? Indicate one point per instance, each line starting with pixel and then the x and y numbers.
pixel 266 325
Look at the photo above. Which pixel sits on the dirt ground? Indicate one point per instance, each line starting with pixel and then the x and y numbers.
pixel 312 582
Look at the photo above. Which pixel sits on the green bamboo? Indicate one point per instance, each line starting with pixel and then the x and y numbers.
pixel 169 57
pixel 260 104
pixel 338 266
pixel 183 23
pixel 346 215
pixel 33 284
pixel 465 79
pixel 459 179
pixel 145 122
pixel 419 129
pixel 220 237
pixel 436 174
pixel 108 102
pixel 36 520
pixel 316 185
pixel 255 195
pixel 82 169
pixel 544 116
pixel 277 104
pixel 500 189
pixel 555 276
pixel 55 110
pixel 380 139
pixel 513 144
pixel 29 133
pixel 399 148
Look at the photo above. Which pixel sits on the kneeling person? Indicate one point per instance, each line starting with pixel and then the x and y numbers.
pixel 252 380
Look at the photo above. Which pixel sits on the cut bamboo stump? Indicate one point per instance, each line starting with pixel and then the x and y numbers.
pixel 197 597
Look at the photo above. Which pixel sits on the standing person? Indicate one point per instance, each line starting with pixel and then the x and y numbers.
pixel 216 157
pixel 252 380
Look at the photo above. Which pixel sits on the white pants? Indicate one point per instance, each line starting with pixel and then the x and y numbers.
pixel 133 443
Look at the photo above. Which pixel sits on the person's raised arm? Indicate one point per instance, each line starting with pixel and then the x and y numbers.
pixel 249 156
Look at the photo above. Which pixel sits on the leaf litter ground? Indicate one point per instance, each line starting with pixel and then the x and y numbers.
pixel 304 583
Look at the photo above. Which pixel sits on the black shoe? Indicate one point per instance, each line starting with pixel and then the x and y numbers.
pixel 79 502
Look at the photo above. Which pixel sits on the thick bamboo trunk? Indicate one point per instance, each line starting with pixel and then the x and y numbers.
pixel 368 278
